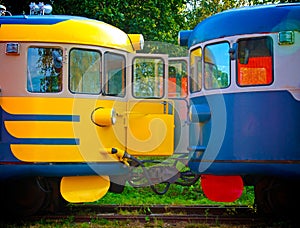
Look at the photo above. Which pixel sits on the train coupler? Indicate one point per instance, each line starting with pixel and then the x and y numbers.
pixel 155 176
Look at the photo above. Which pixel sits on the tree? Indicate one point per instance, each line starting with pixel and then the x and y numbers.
pixel 198 10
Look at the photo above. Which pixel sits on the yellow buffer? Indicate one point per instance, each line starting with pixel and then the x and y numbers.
pixel 79 189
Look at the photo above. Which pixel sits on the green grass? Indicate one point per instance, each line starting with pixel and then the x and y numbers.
pixel 177 195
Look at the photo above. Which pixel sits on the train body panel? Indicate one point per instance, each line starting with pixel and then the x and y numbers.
pixel 255 124
pixel 38 132
pixel 150 130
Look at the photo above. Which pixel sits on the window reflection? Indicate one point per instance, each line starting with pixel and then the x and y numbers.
pixel 177 78
pixel 44 70
pixel 114 74
pixel 217 66
pixel 85 71
pixel 196 70
pixel 148 78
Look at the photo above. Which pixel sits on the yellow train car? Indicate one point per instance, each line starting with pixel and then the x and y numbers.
pixel 74 97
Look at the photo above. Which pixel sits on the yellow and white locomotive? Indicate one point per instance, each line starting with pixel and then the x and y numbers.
pixel 72 102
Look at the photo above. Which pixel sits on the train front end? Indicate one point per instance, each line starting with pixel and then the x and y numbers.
pixel 245 103
pixel 68 111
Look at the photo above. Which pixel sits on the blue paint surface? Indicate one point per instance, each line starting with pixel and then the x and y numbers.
pixel 37 19
pixel 262 129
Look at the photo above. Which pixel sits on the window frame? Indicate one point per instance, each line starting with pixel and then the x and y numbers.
pixel 270 38
pixel 162 85
pixel 100 70
pixel 105 80
pixel 60 86
pixel 183 91
pixel 196 71
pixel 205 62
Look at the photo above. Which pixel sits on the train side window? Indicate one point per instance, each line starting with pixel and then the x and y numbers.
pixel 44 70
pixel 196 70
pixel 217 66
pixel 85 71
pixel 177 79
pixel 255 61
pixel 148 78
pixel 114 67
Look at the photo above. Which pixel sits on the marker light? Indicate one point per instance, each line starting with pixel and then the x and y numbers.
pixel 286 38
pixel 137 41
pixel 12 49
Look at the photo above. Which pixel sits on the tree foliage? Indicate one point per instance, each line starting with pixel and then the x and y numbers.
pixel 201 9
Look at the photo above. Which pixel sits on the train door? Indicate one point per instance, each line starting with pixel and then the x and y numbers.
pixel 150 115
pixel 112 108
pixel 177 91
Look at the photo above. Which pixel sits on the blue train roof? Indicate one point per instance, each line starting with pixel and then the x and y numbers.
pixel 247 20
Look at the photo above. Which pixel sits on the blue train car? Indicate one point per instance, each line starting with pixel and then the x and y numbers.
pixel 244 94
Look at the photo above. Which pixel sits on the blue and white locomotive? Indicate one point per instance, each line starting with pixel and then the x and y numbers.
pixel 244 93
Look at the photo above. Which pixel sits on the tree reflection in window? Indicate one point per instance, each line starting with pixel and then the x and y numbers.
pixel 44 70
pixel 216 66
pixel 148 77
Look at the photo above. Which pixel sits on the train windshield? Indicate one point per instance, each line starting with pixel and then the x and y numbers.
pixel 196 70
pixel 114 74
pixel 85 71
pixel 44 70
pixel 216 66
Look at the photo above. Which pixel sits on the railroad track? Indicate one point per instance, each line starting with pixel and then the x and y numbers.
pixel 232 215
pixel 168 215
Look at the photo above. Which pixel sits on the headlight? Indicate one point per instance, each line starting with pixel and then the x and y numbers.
pixel 104 117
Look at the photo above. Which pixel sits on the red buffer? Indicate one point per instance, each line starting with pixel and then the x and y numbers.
pixel 222 188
